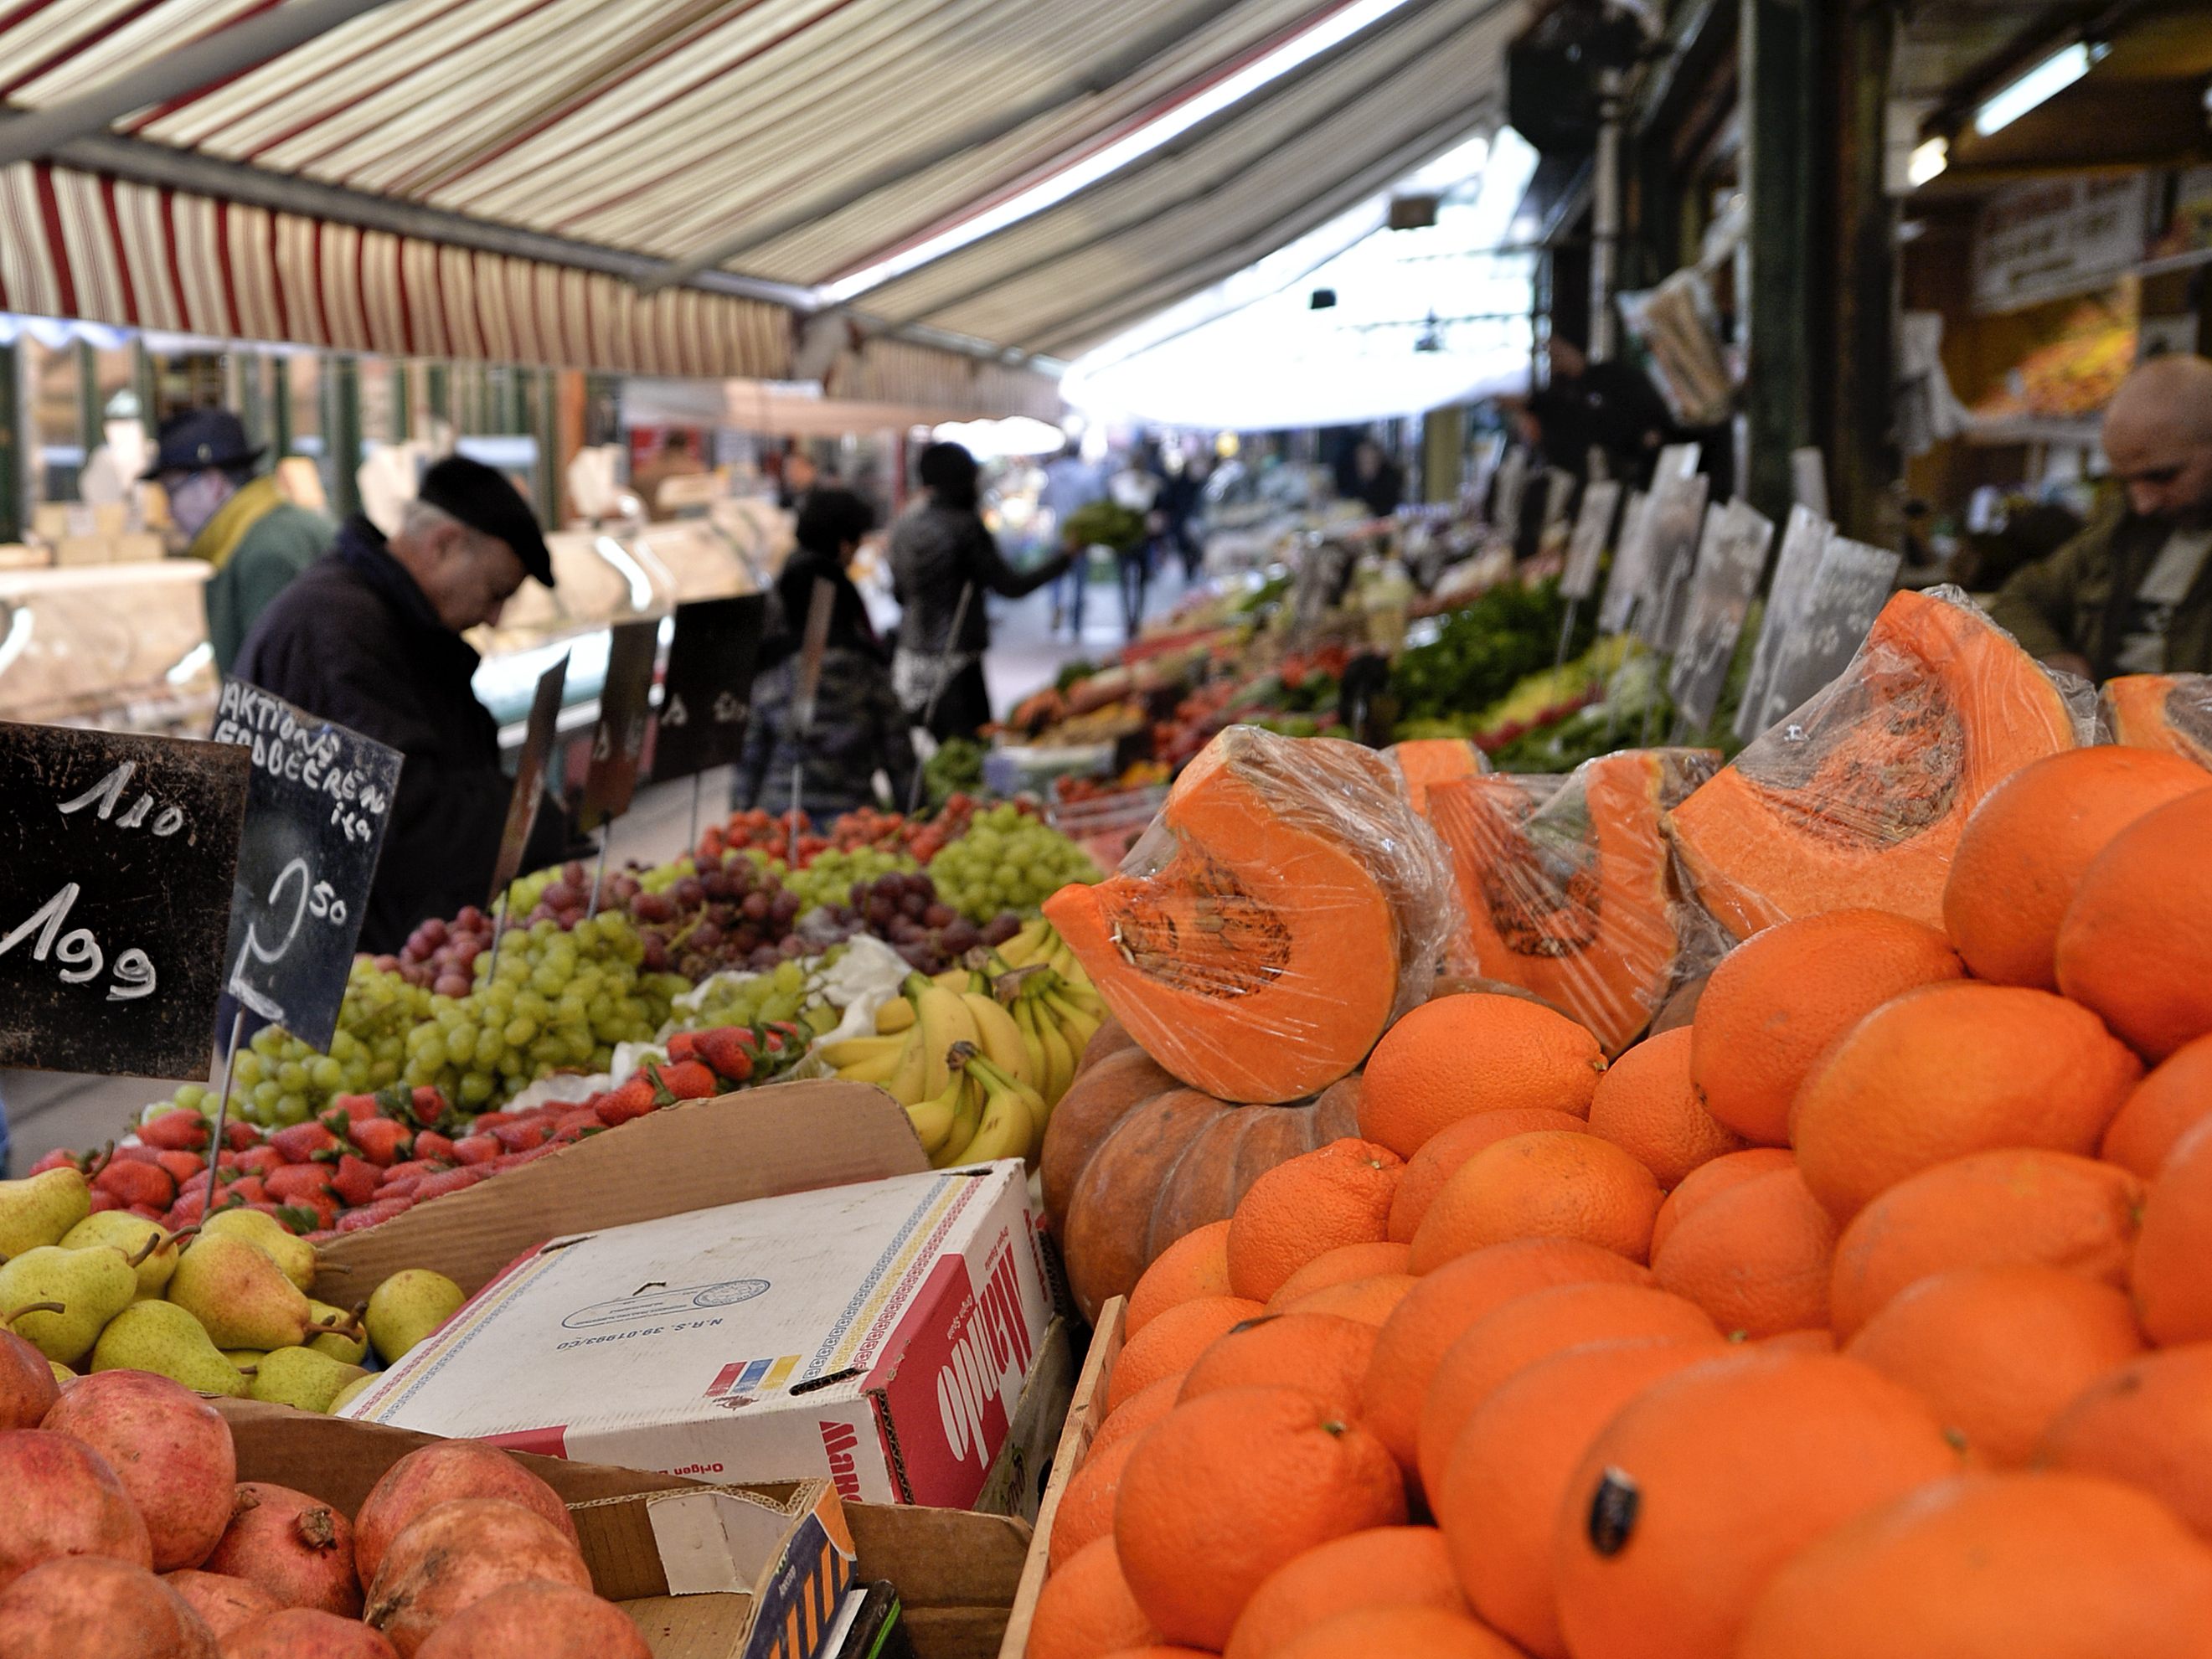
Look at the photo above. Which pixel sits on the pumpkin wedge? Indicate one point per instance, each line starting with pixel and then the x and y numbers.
pixel 2172 712
pixel 1565 892
pixel 1857 801
pixel 1422 763
pixel 1284 905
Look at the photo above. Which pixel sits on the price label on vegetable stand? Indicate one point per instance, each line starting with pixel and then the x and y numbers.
pixel 316 809
pixel 117 855
pixel 529 778
pixel 625 705
pixel 1730 562
pixel 709 688
pixel 1586 547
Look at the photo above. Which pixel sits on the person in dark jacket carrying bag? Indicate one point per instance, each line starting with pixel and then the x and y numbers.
pixel 370 636
pixel 860 727
pixel 941 550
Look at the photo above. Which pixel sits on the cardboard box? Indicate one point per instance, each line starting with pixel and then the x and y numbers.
pixel 704 1571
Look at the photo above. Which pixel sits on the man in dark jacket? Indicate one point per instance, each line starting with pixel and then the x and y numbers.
pixel 941 550
pixel 370 636
pixel 2132 593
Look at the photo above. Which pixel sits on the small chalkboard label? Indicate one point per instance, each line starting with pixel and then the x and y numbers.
pixel 317 806
pixel 1676 521
pixel 118 854
pixel 708 687
pixel 529 778
pixel 1850 587
pixel 1802 543
pixel 625 706
pixel 1730 562
pixel 1587 545
pixel 1625 580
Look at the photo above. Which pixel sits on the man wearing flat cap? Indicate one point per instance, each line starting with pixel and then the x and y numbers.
pixel 256 539
pixel 370 636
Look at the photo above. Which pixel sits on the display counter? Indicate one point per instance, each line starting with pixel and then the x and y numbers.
pixel 118 645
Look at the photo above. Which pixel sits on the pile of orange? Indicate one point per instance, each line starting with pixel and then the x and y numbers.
pixel 1870 1313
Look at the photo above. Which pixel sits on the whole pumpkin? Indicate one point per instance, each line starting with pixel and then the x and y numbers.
pixel 1133 1160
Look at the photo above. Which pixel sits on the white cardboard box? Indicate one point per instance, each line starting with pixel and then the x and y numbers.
pixel 874 1335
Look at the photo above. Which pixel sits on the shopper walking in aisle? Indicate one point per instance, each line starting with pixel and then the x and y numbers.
pixel 944 560
pixel 1378 482
pixel 859 726
pixel 370 636
pixel 1136 488
pixel 2132 593
pixel 1071 484
pixel 1182 503
pixel 243 525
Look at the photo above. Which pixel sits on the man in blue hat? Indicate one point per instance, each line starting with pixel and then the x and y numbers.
pixel 370 636
pixel 257 539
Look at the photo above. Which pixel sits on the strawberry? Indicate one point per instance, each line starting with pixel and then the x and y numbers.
pixel 183 1166
pixel 416 1166
pixel 381 1140
pixel 238 1136
pixel 728 1049
pixel 179 1131
pixel 308 1214
pixel 485 1122
pixel 104 1200
pixel 689 1080
pixel 146 1212
pixel 369 1215
pixel 476 1149
pixel 259 1160
pixel 634 1099
pixel 356 1180
pixel 683 1045
pixel 247 1190
pixel 60 1159
pixel 571 1122
pixel 134 1184
pixel 430 1145
pixel 528 1155
pixel 447 1181
pixel 297 1181
pixel 302 1141
pixel 130 1153
pixel 427 1106
pixel 355 1107
pixel 402 1188
pixel 520 1137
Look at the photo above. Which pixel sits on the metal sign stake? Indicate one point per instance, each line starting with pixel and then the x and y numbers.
pixel 222 1112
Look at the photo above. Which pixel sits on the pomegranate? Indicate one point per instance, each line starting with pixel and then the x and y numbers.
pixel 168 1447
pixel 305 1633
pixel 450 1469
pixel 538 1622
pixel 225 1602
pixel 91 1606
pixel 457 1552
pixel 62 1499
pixel 28 1388
pixel 296 1548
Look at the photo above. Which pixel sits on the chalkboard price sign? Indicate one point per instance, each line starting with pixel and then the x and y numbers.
pixel 118 854
pixel 625 706
pixel 709 688
pixel 317 806
pixel 529 778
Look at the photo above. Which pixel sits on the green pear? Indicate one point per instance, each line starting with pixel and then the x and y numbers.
pixel 244 1358
pixel 63 1375
pixel 162 1338
pixel 348 1343
pixel 234 1288
pixel 90 1287
pixel 345 1396
pixel 288 1250
pixel 130 1234
pixel 38 1209
pixel 407 1306
pixel 300 1377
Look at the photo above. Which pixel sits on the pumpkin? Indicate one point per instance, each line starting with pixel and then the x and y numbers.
pixel 1857 800
pixel 2172 712
pixel 1284 908
pixel 1566 890
pixel 1422 763
pixel 1133 1160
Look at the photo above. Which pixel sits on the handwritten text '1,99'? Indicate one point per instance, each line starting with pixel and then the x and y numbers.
pixel 79 956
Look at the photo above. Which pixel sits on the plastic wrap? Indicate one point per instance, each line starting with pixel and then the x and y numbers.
pixel 1567 887
pixel 1857 798
pixel 1424 762
pixel 1286 906
pixel 2172 712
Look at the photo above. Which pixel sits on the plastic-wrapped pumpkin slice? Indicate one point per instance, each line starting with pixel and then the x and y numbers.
pixel 1284 908
pixel 1857 800
pixel 2172 712
pixel 1567 893
pixel 1422 763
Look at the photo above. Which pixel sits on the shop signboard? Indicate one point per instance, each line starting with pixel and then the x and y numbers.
pixel 1802 542
pixel 120 852
pixel 1849 588
pixel 1586 547
pixel 618 738
pixel 2047 238
pixel 318 802
pixel 1677 515
pixel 1730 560
pixel 1625 580
pixel 529 778
pixel 709 686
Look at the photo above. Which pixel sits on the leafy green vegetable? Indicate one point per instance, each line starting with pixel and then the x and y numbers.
pixel 1482 650
pixel 1105 524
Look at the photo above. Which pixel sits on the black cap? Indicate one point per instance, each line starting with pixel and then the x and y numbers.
pixel 481 497
pixel 199 439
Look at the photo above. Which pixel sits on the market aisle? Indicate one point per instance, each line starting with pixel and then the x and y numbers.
pixel 1026 654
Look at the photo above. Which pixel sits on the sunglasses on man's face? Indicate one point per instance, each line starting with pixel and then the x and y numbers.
pixel 2156 477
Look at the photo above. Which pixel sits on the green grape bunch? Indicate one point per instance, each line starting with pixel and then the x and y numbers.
pixel 1007 860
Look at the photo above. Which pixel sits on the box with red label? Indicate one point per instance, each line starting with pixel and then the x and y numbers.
pixel 875 1335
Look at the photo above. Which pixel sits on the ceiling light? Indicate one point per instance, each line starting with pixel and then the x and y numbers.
pixel 1928 161
pixel 2038 85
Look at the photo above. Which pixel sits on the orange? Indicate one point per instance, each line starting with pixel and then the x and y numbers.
pixel 2172 1289
pixel 1999 1351
pixel 2023 852
pixel 1543 1185
pixel 1710 1181
pixel 1086 1505
pixel 1954 1069
pixel 1086 1610
pixel 1160 1650
pixel 1339 1267
pixel 1508 1473
pixel 1428 1169
pixel 2166 1105
pixel 2025 1566
pixel 1646 1105
pixel 1173 1340
pixel 1757 1258
pixel 1706 1483
pixel 1534 1326
pixel 1137 1413
pixel 1479 1051
pixel 1439 1309
pixel 1986 1211
pixel 1799 1341
pixel 1370 1301
pixel 1195 1264
pixel 1780 999
pixel 1386 1567
pixel 1230 1485
pixel 1324 1353
pixel 2149 1424
pixel 1334 1195
pixel 1399 1632
pixel 2136 943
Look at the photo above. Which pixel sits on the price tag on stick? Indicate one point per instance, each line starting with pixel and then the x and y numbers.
pixel 708 687
pixel 118 854
pixel 316 804
pixel 1730 562
pixel 529 778
pixel 625 706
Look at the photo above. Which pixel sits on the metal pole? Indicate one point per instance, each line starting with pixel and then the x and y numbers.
pixel 1566 632
pixel 222 1111
pixel 1605 216
pixel 698 778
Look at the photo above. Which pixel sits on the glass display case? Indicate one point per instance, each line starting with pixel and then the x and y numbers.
pixel 598 581
pixel 120 645
pixel 697 559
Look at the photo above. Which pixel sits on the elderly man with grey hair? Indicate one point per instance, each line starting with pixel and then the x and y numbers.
pixel 370 636
pixel 2132 593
